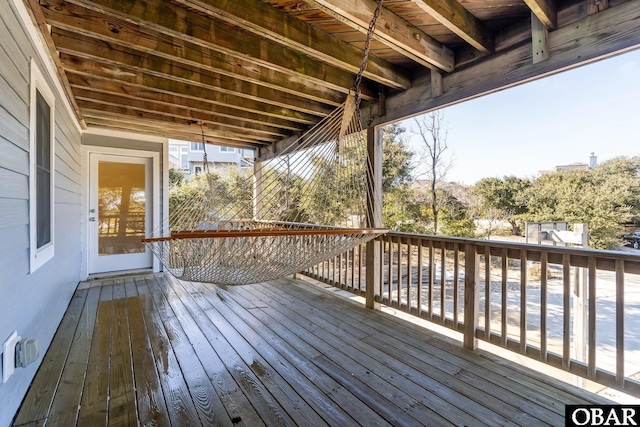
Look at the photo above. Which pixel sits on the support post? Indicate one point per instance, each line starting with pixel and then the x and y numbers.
pixel 374 216
pixel 471 295
pixel 539 40
pixel 436 84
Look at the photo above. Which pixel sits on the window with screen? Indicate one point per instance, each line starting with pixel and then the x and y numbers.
pixel 43 171
pixel 41 179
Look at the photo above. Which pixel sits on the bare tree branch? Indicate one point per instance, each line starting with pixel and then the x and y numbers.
pixel 432 130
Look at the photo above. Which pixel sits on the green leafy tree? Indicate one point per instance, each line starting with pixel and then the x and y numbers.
pixel 605 198
pixel 455 216
pixel 176 177
pixel 503 198
pixel 401 209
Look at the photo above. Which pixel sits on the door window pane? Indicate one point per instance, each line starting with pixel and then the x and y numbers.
pixel 121 208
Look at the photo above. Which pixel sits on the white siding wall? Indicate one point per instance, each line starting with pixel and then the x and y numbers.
pixel 32 304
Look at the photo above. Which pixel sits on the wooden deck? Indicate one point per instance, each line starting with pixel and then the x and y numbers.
pixel 158 351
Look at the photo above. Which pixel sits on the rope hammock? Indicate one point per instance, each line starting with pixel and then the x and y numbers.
pixel 305 206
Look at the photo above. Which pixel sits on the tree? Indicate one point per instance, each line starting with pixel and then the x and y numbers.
pixel 397 165
pixel 401 210
pixel 176 177
pixel 433 134
pixel 456 220
pixel 605 198
pixel 503 198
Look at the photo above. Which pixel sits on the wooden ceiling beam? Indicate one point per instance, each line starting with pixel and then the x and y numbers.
pixel 135 93
pixel 319 78
pixel 82 72
pixel 104 53
pixel 189 25
pixel 259 18
pixel 391 30
pixel 185 133
pixel 545 11
pixel 460 21
pixel 178 112
pixel 92 108
pixel 569 46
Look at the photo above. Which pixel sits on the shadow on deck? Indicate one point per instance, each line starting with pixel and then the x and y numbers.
pixel 164 352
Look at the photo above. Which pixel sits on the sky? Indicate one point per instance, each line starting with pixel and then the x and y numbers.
pixel 557 120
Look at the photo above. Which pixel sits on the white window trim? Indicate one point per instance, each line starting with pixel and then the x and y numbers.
pixel 227 149
pixel 39 257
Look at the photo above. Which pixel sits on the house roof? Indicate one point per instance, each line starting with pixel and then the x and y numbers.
pixel 255 72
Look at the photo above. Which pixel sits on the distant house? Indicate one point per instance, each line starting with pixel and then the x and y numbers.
pixel 189 157
pixel 593 161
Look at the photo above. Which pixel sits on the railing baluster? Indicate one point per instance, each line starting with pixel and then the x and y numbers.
pixel 566 310
pixel 383 249
pixel 592 317
pixel 360 267
pixel 619 322
pixel 443 279
pixel 471 278
pixel 523 301
pixel 399 273
pixel 390 272
pixel 419 284
pixel 543 304
pixel 409 281
pixel 505 280
pixel 487 293
pixel 456 283
pixel 432 277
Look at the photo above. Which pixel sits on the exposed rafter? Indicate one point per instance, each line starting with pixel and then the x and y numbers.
pixel 545 11
pixel 390 30
pixel 123 65
pixel 189 25
pixel 258 72
pixel 257 17
pixel 75 65
pixel 65 16
pixel 460 21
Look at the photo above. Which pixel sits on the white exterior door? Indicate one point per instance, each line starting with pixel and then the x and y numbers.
pixel 120 212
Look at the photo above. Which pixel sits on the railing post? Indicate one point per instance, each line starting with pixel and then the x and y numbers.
pixel 471 295
pixel 374 216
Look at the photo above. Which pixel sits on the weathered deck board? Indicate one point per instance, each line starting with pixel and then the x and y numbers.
pixel 93 406
pixel 150 399
pixel 165 352
pixel 66 401
pixel 179 403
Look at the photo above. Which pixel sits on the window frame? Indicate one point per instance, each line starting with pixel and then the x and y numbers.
pixel 224 149
pixel 38 84
pixel 196 146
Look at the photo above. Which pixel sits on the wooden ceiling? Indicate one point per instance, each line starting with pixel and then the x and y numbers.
pixel 255 72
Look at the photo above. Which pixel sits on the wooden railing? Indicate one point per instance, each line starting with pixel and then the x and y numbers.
pixel 566 307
